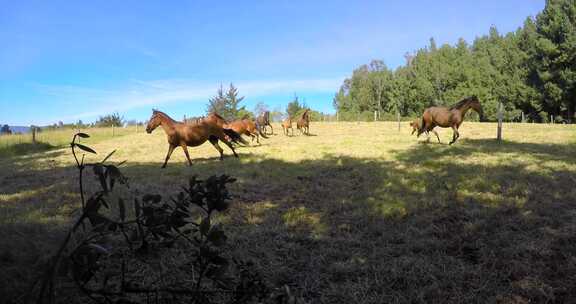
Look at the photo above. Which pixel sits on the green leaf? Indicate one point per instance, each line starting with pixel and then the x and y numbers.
pixel 107 156
pixel 85 148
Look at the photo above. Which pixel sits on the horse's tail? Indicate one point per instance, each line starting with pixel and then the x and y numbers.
pixel 259 128
pixel 235 137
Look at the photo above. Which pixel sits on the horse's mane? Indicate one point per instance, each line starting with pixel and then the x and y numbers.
pixel 462 102
pixel 163 114
pixel 218 116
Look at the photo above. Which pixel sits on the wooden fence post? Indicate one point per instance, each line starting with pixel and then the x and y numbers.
pixel 398 117
pixel 522 116
pixel 33 134
pixel 499 134
pixel 375 113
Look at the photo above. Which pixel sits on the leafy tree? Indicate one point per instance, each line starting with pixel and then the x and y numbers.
pixel 110 120
pixel 225 104
pixel 5 130
pixel 217 104
pixel 242 113
pixel 294 107
pixel 531 70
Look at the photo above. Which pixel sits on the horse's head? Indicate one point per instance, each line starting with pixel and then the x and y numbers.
pixel 415 124
pixel 305 114
pixel 475 104
pixel 153 122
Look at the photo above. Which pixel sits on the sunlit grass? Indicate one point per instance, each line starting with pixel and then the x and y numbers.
pixel 20 144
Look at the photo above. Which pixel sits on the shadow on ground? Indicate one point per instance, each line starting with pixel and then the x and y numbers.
pixel 421 229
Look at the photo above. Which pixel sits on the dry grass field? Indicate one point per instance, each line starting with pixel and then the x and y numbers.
pixel 354 213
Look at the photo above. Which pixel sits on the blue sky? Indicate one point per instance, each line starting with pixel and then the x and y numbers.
pixel 70 60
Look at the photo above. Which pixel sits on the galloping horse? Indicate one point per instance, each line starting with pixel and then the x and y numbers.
pixel 191 134
pixel 303 123
pixel 241 126
pixel 264 121
pixel 451 117
pixel 287 124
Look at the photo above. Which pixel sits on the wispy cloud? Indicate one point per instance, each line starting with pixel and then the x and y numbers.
pixel 138 94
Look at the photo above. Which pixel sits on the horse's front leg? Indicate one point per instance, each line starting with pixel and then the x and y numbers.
pixel 170 150
pixel 185 148
pixel 455 135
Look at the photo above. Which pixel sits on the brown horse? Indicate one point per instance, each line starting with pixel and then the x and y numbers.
pixel 415 124
pixel 451 117
pixel 244 126
pixel 263 121
pixel 191 134
pixel 303 124
pixel 287 124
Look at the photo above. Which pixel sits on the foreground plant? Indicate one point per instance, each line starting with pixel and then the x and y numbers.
pixel 166 249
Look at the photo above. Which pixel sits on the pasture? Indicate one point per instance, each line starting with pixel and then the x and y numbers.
pixel 354 213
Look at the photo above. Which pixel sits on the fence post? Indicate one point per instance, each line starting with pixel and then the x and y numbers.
pixel 112 130
pixel 33 135
pixel 522 116
pixel 375 115
pixel 337 116
pixel 499 134
pixel 398 117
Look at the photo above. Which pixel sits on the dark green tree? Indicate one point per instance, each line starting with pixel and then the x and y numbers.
pixel 225 104
pixel 5 130
pixel 294 107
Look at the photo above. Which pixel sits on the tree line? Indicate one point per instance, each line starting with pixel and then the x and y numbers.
pixel 531 71
pixel 227 104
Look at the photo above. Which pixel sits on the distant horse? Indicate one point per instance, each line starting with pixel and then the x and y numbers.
pixel 415 124
pixel 287 124
pixel 451 117
pixel 191 134
pixel 263 120
pixel 244 126
pixel 303 124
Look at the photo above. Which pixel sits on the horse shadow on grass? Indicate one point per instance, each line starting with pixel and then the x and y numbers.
pixel 426 227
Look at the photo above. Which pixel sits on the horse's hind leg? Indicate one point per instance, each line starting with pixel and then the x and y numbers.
pixel 170 150
pixel 214 142
pixel 228 144
pixel 436 133
pixel 185 148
